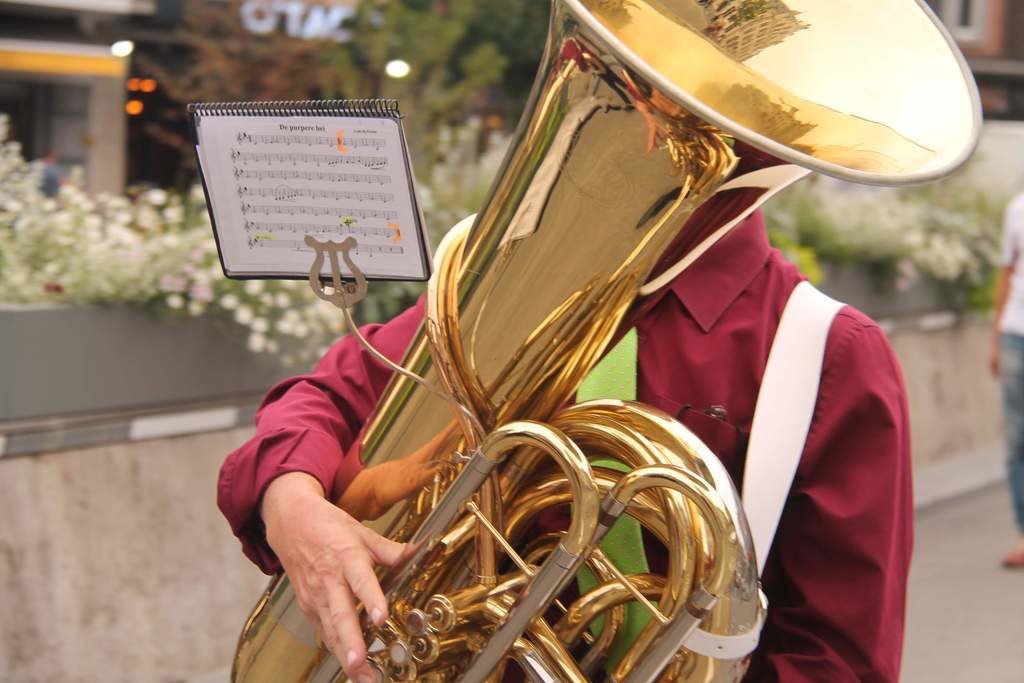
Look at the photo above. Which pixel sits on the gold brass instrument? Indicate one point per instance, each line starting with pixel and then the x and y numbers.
pixel 654 126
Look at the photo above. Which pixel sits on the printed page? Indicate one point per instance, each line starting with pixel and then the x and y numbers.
pixel 274 180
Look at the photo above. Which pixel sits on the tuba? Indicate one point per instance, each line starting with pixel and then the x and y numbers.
pixel 653 128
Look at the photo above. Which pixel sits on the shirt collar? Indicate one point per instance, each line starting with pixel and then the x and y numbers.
pixel 723 272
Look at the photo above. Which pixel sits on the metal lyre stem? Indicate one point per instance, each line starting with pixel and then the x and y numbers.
pixel 348 294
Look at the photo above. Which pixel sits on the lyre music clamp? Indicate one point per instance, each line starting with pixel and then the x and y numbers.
pixel 346 294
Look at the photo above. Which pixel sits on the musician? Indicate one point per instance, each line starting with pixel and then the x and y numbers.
pixel 836 575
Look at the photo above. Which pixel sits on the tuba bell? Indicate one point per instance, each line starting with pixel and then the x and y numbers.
pixel 653 128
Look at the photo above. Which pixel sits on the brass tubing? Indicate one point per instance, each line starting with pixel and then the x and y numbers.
pixel 599 600
pixel 562 563
pixel 646 662
pixel 547 642
pixel 739 609
pixel 554 491
pixel 603 434
pixel 700 493
pixel 486 559
pixel 533 663
pixel 494 450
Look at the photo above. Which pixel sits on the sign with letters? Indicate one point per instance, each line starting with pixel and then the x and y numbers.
pixel 298 19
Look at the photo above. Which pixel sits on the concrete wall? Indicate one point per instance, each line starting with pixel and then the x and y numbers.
pixel 955 407
pixel 108 136
pixel 115 564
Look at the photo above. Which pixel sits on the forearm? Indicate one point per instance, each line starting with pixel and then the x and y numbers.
pixel 281 495
pixel 1001 295
pixel 308 424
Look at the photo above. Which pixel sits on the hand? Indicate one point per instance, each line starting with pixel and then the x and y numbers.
pixel 329 558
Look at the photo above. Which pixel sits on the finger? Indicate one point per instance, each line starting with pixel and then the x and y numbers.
pixel 349 647
pixel 362 580
pixel 384 550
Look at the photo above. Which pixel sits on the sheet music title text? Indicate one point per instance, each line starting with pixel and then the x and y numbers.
pixel 298 128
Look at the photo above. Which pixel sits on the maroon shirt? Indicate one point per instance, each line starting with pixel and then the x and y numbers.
pixel 837 572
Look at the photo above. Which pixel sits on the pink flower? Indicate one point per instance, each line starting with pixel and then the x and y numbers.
pixel 201 292
pixel 172 283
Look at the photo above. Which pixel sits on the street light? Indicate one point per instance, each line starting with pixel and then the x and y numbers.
pixel 122 48
pixel 397 68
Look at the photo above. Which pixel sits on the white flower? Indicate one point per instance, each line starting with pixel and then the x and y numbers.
pixel 282 300
pixel 259 325
pixel 147 218
pixel 253 287
pixel 174 214
pixel 257 342
pixel 175 301
pixel 229 302
pixel 155 197
pixel 243 315
pixel 195 308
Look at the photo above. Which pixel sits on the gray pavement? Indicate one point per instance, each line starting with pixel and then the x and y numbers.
pixel 965 620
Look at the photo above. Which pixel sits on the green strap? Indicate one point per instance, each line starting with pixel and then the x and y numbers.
pixel 615 377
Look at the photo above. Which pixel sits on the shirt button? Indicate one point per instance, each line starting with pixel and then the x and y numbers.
pixel 717 412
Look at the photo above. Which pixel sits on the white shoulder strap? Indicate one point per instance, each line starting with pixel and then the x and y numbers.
pixel 785 407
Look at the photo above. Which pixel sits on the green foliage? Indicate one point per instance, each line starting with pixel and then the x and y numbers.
pixel 469 58
pixel 749 10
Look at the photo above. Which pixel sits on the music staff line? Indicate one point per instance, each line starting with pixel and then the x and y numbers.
pixel 310 140
pixel 300 245
pixel 309 158
pixel 317 228
pixel 330 176
pixel 292 210
pixel 289 193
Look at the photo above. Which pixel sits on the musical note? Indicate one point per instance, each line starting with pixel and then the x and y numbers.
pixel 397 230
pixel 285 193
pixel 318 160
pixel 376 144
pixel 292 210
pixel 330 176
pixel 270 228
pixel 300 245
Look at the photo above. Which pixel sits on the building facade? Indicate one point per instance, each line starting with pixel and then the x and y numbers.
pixel 63 87
pixel 989 33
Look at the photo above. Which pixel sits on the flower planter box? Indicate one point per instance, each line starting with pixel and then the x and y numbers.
pixel 66 360
pixel 856 286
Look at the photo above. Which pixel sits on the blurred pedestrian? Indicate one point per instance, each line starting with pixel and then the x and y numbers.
pixel 1006 361
pixel 52 176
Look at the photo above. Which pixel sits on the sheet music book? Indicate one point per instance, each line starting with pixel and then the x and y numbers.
pixel 274 172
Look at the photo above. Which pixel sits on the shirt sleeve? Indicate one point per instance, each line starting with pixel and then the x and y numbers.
pixel 837 572
pixel 307 424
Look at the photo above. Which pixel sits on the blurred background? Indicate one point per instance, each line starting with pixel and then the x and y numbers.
pixel 129 366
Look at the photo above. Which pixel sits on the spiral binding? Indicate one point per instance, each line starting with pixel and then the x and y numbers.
pixel 367 107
